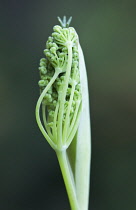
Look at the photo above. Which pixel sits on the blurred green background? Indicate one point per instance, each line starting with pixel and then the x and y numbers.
pixel 30 178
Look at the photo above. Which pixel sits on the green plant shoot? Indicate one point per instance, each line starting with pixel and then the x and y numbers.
pixel 64 118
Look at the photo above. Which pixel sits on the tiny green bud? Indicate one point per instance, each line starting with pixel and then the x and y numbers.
pixel 41 83
pixel 57 28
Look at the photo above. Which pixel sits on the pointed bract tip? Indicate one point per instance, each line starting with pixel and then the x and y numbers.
pixel 64 22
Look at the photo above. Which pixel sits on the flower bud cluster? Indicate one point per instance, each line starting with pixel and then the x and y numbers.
pixel 56 53
pixel 64 35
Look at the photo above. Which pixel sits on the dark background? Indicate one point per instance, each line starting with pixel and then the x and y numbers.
pixel 30 177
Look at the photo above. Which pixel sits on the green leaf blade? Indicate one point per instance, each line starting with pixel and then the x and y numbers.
pixel 83 145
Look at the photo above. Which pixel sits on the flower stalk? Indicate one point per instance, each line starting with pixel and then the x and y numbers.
pixel 68 179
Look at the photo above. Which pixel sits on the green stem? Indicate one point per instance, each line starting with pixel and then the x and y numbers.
pixel 74 117
pixel 63 96
pixel 45 121
pixel 37 111
pixel 75 127
pixel 68 179
pixel 55 121
pixel 67 120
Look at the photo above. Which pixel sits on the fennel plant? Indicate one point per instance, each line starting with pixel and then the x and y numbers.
pixel 64 120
